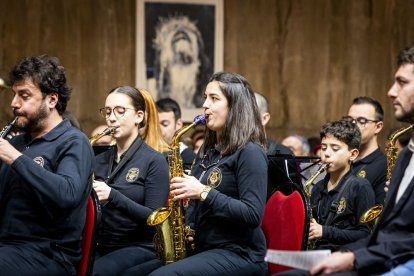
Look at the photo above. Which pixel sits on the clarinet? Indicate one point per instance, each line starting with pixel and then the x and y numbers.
pixel 7 128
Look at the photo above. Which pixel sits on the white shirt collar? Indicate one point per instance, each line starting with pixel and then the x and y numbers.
pixel 411 145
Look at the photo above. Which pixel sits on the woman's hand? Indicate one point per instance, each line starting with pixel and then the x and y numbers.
pixel 102 190
pixel 315 230
pixel 185 187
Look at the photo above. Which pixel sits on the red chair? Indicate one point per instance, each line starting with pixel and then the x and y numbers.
pixel 285 224
pixel 88 236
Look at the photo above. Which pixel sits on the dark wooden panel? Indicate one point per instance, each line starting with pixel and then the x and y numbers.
pixel 311 58
pixel 94 40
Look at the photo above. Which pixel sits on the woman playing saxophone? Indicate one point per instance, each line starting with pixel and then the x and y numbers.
pixel 131 181
pixel 227 186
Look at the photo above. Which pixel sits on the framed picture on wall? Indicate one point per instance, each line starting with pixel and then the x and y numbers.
pixel 179 46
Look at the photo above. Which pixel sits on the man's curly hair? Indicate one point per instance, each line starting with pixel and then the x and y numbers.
pixel 47 73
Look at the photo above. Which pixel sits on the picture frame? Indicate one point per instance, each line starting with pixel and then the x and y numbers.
pixel 179 46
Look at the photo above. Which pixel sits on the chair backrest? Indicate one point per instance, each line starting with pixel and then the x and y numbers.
pixel 89 235
pixel 285 224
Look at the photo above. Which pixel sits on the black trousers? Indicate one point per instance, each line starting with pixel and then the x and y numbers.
pixel 117 262
pixel 213 262
pixel 33 259
pixel 300 272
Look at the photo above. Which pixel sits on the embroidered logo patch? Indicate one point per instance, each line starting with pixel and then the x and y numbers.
pixel 132 174
pixel 362 174
pixel 39 160
pixel 214 178
pixel 341 206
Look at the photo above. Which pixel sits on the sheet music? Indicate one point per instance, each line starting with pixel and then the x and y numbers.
pixel 296 259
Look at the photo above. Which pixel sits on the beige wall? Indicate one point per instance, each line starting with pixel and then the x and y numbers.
pixel 310 58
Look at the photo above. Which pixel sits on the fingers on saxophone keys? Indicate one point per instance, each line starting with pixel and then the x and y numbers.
pixel 174 193
pixel 178 194
pixel 177 179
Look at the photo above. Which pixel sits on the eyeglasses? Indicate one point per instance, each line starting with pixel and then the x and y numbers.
pixel 362 121
pixel 119 111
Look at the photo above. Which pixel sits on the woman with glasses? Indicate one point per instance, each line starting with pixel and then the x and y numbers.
pixel 227 187
pixel 131 181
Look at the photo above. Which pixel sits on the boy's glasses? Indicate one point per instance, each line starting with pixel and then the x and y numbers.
pixel 119 111
pixel 362 121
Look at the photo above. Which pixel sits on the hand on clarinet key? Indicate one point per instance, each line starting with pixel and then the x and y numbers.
pixel 8 154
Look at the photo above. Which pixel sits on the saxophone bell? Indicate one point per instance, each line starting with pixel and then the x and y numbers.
pixel 372 214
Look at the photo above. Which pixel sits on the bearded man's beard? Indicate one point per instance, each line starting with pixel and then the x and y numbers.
pixel 407 116
pixel 35 121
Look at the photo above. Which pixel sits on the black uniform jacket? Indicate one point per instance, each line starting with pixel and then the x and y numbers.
pixel 140 184
pixel 393 236
pixel 343 206
pixel 231 215
pixel 373 168
pixel 43 194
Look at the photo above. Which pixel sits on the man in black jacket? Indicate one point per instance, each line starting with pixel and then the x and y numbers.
pixel 45 176
pixel 392 239
pixel 371 163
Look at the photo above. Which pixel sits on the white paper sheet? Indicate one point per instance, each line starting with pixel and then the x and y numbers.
pixel 296 259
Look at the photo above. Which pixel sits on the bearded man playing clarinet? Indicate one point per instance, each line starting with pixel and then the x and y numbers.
pixel 45 176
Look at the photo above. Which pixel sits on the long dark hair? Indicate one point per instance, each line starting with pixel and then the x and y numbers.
pixel 243 122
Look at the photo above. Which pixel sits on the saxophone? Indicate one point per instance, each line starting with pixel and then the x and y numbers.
pixel 106 131
pixel 96 137
pixel 373 213
pixel 171 233
pixel 312 244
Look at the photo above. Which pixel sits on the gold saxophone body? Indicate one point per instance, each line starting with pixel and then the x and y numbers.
pixel 312 244
pixel 373 213
pixel 170 238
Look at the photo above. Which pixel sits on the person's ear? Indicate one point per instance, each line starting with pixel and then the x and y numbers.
pixel 378 126
pixel 139 117
pixel 265 118
pixel 354 154
pixel 53 99
pixel 179 124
